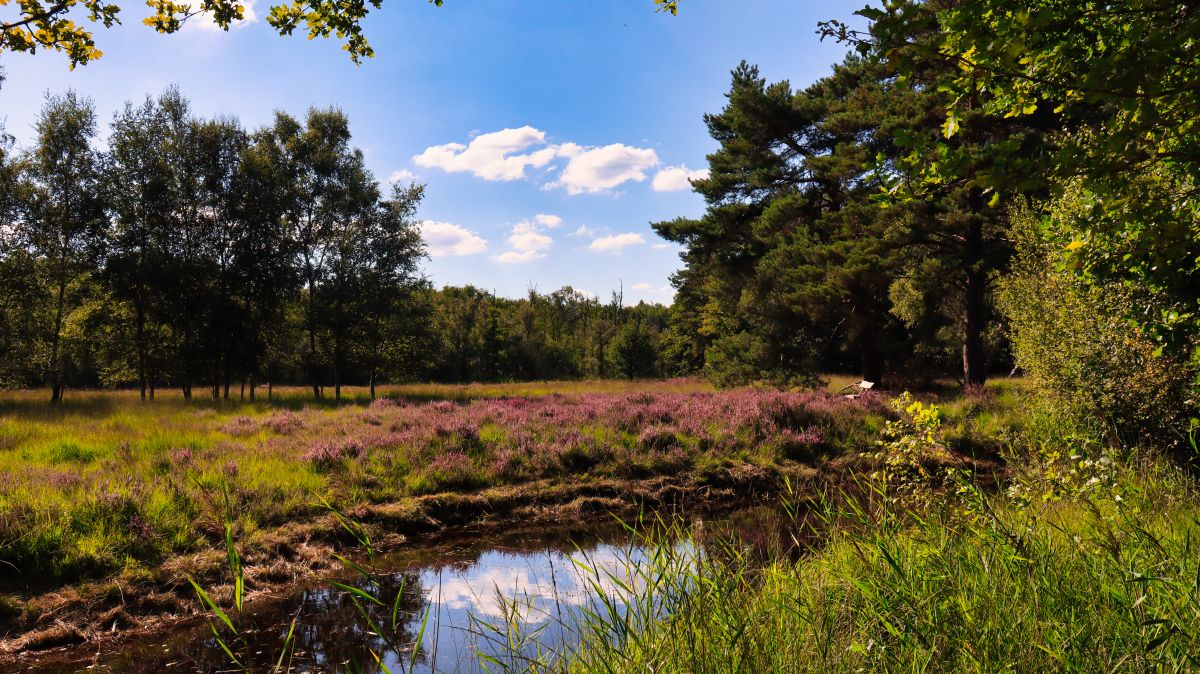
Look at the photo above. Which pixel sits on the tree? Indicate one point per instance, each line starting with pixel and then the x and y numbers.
pixel 136 191
pixel 20 290
pixel 394 317
pixel 63 223
pixel 264 259
pixel 316 164
pixel 1116 87
pixel 632 352
pixel 38 26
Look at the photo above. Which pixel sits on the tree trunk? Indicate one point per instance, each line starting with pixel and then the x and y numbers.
pixel 141 347
pixel 56 375
pixel 372 382
pixel 972 348
pixel 337 364
pixel 869 352
pixel 312 337
pixel 974 308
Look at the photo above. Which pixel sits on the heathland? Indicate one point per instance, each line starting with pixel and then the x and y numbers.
pixel 105 491
pixel 977 190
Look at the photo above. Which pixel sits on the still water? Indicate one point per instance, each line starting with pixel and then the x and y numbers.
pixel 478 603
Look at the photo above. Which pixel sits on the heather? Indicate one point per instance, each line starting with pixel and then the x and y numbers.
pixel 106 483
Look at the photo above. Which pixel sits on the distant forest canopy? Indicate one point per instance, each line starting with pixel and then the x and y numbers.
pixel 191 253
pixel 975 186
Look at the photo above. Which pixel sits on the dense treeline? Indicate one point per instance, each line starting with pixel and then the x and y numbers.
pixel 564 334
pixel 191 253
pixel 799 266
pixel 978 185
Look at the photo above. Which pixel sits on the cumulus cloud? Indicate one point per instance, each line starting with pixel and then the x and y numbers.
pixel 508 154
pixel 655 291
pixel 444 239
pixel 517 257
pixel 615 242
pixel 583 230
pixel 402 176
pixel 547 220
pixel 600 169
pixel 527 243
pixel 676 178
pixel 491 156
pixel 204 21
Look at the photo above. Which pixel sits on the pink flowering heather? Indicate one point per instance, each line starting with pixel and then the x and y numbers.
pixel 516 439
pixel 450 462
pixel 241 426
pixel 283 422
pixel 329 453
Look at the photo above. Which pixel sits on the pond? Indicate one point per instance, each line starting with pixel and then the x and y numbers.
pixel 472 604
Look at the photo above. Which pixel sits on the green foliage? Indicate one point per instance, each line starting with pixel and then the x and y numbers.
pixel 477 336
pixel 796 254
pixel 1093 584
pixel 1113 95
pixel 912 445
pixel 190 252
pixel 1084 346
pixel 632 352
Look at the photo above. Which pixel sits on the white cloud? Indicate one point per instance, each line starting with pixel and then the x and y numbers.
pixel 656 291
pixel 600 169
pixel 547 220
pixel 676 178
pixel 444 239
pixel 663 246
pixel 402 176
pixel 204 20
pixel 615 242
pixel 586 293
pixel 508 153
pixel 515 257
pixel 583 230
pixel 527 243
pixel 491 156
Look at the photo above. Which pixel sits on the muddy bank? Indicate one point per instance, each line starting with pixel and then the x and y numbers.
pixel 100 615
pixel 51 628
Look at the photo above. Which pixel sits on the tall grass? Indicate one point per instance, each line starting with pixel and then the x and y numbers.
pixel 1088 585
pixel 1089 561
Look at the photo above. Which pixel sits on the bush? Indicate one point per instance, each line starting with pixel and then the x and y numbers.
pixel 1081 345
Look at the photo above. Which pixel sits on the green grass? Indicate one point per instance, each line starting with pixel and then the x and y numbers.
pixel 106 484
pixel 1086 560
pixel 1085 584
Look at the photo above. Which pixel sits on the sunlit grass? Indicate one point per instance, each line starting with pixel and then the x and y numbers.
pixel 106 482
pixel 1100 581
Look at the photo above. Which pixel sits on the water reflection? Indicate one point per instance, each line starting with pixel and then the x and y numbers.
pixel 454 606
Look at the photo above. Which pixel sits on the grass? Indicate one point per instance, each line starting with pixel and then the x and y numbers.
pixel 106 484
pixel 1088 561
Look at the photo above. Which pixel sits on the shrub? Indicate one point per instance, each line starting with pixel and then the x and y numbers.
pixel 1082 346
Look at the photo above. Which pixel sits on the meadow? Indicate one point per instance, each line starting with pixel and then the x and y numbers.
pixel 105 485
pixel 1072 554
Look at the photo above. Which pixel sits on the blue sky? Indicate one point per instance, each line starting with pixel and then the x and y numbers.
pixel 550 134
